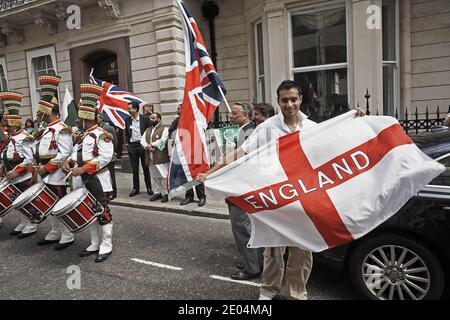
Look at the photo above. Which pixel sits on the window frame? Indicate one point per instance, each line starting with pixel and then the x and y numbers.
pixel 335 4
pixel 260 91
pixel 5 70
pixel 36 53
pixel 396 62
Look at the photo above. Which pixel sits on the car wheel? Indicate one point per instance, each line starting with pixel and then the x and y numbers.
pixel 395 267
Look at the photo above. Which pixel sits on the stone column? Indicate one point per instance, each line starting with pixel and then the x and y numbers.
pixel 367 53
pixel 170 57
pixel 278 49
pixel 405 57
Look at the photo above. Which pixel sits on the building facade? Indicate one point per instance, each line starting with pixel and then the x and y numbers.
pixel 398 50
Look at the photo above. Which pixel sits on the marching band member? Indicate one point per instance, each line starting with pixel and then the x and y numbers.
pixel 12 165
pixel 90 158
pixel 4 139
pixel 52 146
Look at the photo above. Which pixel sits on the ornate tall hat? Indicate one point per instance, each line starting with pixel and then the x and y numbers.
pixel 12 101
pixel 49 88
pixel 89 98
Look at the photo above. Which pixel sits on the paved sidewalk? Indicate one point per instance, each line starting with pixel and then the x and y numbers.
pixel 212 209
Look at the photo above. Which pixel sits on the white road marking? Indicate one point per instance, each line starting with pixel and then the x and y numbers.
pixel 250 283
pixel 155 264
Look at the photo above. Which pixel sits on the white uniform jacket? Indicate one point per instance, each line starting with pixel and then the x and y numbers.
pixel 17 146
pixel 54 147
pixel 97 153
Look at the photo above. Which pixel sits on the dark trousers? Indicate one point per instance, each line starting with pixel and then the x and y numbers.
pixel 200 189
pixel 112 172
pixel 241 227
pixel 136 152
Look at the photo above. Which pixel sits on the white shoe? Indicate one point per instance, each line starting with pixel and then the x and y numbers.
pixel 263 297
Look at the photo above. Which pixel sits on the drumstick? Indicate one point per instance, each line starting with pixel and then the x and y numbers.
pixel 4 178
pixel 70 173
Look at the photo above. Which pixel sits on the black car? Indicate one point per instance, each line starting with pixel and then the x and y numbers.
pixel 408 256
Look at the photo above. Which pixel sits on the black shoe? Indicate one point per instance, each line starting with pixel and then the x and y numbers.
pixel 243 275
pixel 102 257
pixel 25 235
pixel 150 192
pixel 62 246
pixel 46 242
pixel 156 197
pixel 133 193
pixel 15 233
pixel 186 201
pixel 279 297
pixel 165 198
pixel 202 202
pixel 112 196
pixel 86 253
pixel 240 265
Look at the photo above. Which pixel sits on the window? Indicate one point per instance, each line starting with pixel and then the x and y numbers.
pixel 319 58
pixel 391 80
pixel 259 51
pixel 39 62
pixel 3 77
pixel 444 178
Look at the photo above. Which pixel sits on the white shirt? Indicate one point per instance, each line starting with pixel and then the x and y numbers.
pixel 271 129
pixel 135 130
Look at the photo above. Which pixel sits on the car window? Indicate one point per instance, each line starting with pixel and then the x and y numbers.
pixel 444 178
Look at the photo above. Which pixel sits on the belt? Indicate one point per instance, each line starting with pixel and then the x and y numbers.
pixel 136 142
pixel 105 169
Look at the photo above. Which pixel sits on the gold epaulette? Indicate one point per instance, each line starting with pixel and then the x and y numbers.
pixel 29 138
pixel 66 130
pixel 106 136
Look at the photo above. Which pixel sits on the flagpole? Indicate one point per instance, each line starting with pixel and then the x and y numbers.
pixel 224 99
pixel 186 20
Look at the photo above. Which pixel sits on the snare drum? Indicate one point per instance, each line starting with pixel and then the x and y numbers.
pixel 8 193
pixel 36 202
pixel 77 210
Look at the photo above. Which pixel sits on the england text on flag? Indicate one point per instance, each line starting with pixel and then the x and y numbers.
pixel 201 98
pixel 113 102
pixel 327 185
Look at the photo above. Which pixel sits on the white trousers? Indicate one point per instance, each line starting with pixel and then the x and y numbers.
pixel 159 183
pixel 59 231
pixel 101 238
pixel 25 225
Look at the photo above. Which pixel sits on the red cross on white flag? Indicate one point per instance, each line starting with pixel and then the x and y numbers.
pixel 327 185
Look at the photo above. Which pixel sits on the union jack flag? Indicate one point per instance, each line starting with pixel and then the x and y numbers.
pixel 201 98
pixel 113 102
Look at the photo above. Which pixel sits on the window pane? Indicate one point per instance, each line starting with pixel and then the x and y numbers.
pixel 261 94
pixel 49 62
pixel 389 31
pixel 388 90
pixel 444 178
pixel 319 38
pixel 38 63
pixel 3 82
pixel 324 93
pixel 259 40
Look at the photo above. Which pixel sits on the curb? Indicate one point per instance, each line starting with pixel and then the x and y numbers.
pixel 195 213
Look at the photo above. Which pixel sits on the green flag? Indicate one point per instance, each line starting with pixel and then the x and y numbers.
pixel 69 110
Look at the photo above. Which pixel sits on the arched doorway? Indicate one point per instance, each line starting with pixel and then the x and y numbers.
pixel 106 68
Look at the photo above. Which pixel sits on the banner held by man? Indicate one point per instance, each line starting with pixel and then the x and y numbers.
pixel 326 185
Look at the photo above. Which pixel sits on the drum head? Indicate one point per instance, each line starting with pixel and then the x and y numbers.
pixel 28 195
pixel 69 201
pixel 4 184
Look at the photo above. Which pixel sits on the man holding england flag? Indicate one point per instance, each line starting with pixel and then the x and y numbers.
pixel 304 197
